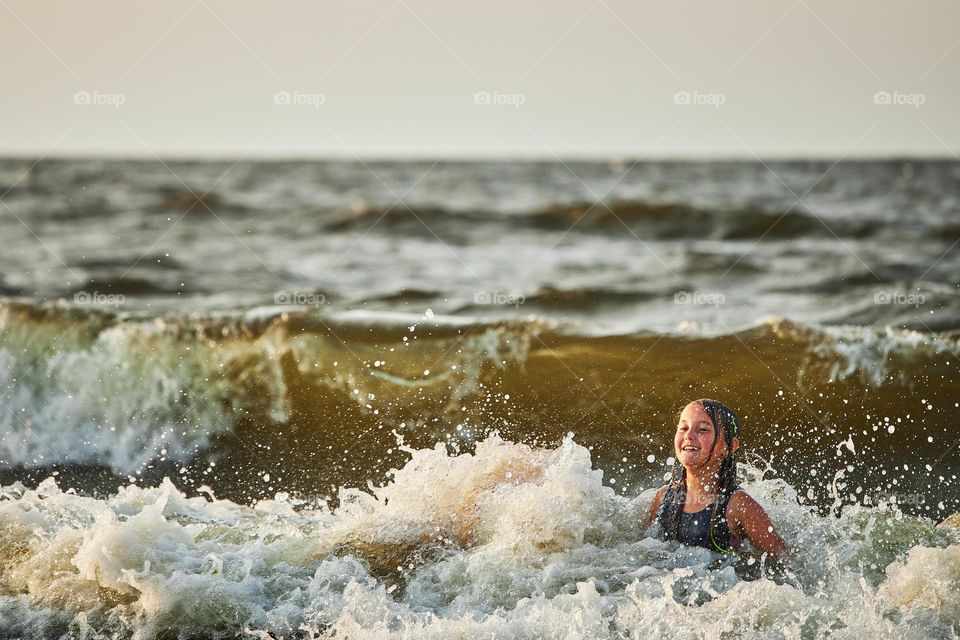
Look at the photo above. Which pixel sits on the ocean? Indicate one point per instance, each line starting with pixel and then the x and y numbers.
pixel 431 400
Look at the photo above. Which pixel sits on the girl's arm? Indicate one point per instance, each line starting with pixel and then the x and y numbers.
pixel 754 523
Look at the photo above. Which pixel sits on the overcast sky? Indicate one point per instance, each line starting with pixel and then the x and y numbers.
pixel 430 78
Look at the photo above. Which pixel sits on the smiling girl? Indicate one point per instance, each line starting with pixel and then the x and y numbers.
pixel 702 504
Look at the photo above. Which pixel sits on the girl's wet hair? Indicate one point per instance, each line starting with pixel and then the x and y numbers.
pixel 724 422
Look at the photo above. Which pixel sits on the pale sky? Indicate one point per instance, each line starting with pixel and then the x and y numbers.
pixel 432 78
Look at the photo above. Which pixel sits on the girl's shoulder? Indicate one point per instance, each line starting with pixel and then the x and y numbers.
pixel 662 492
pixel 658 499
pixel 739 496
pixel 742 502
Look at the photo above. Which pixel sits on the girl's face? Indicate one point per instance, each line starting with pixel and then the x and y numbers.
pixel 695 437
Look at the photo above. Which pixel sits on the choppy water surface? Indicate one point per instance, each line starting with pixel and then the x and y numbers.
pixel 390 400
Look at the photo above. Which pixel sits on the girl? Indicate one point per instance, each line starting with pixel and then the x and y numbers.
pixel 702 505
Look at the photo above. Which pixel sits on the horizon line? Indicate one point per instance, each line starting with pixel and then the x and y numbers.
pixel 498 157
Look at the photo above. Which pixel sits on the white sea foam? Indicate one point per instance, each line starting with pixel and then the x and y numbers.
pixel 133 392
pixel 878 355
pixel 508 542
